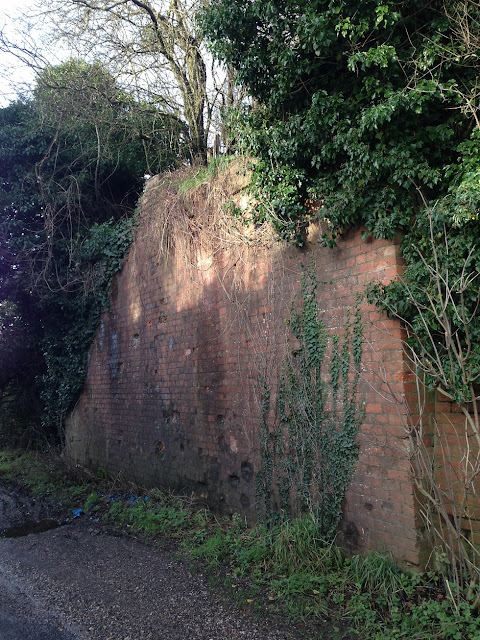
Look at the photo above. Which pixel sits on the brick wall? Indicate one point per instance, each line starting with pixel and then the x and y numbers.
pixel 452 449
pixel 172 396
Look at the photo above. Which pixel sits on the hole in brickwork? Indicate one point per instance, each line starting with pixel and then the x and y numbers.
pixel 244 501
pixel 351 535
pixel 247 471
pixel 171 416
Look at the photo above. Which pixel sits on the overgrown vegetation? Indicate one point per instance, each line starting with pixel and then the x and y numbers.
pixel 362 113
pixel 438 299
pixel 72 165
pixel 287 568
pixel 366 114
pixel 365 110
pixel 309 455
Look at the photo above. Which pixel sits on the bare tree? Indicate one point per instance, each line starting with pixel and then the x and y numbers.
pixel 456 48
pixel 153 45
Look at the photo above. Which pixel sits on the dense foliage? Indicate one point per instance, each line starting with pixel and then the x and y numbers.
pixel 72 164
pixel 365 113
pixel 367 109
pixel 438 300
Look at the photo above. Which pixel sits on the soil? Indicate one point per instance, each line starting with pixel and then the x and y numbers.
pixel 85 581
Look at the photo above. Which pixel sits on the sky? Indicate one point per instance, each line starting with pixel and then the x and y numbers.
pixel 13 74
pixel 10 69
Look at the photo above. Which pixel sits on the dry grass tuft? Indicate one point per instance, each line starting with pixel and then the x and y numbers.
pixel 200 211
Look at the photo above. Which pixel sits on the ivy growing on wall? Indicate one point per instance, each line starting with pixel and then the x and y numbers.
pixel 367 108
pixel 70 321
pixel 308 457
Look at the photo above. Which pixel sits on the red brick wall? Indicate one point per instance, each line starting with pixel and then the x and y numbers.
pixel 172 397
pixel 453 451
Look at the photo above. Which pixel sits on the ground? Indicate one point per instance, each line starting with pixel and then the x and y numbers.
pixel 85 581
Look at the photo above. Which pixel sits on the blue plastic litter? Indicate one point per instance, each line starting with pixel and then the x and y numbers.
pixel 77 512
pixel 132 499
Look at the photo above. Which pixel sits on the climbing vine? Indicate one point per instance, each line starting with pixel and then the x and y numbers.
pixel 366 108
pixel 308 457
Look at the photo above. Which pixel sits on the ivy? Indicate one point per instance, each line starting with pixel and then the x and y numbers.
pixel 438 296
pixel 366 109
pixel 66 352
pixel 309 457
pixel 72 164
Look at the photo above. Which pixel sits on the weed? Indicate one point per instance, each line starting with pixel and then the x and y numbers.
pixel 45 475
pixel 204 175
pixel 298 546
pixel 375 572
pixel 92 501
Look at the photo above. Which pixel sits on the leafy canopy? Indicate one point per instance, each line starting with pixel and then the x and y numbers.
pixel 72 164
pixel 365 109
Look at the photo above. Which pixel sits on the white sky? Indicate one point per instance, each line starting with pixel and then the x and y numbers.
pixel 10 69
pixel 14 75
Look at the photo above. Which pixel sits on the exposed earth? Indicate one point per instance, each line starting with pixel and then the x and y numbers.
pixel 85 581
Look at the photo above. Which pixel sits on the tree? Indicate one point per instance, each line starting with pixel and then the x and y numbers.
pixel 366 109
pixel 151 44
pixel 20 364
pixel 72 164
pixel 74 155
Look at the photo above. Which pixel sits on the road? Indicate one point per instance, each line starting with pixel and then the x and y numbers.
pixel 82 581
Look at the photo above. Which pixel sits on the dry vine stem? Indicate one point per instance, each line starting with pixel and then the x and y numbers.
pixel 196 222
pixel 444 450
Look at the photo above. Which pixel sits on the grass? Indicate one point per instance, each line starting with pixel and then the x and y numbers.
pixel 46 474
pixel 284 569
pixel 204 174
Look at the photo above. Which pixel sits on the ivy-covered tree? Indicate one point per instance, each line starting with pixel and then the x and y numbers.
pixel 366 108
pixel 72 164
